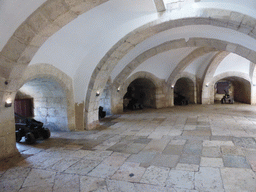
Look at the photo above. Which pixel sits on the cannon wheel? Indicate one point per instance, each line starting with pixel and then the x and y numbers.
pixel 18 136
pixel 30 138
pixel 46 133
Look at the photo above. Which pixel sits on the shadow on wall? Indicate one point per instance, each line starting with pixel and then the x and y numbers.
pixel 49 103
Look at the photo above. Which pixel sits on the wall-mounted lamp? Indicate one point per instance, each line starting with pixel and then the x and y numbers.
pixel 8 103
pixel 172 86
pixel 206 85
pixel 118 89
pixel 97 93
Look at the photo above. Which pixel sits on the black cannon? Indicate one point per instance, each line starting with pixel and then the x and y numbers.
pixel 30 128
pixel 179 99
pixel 134 104
pixel 227 98
pixel 102 113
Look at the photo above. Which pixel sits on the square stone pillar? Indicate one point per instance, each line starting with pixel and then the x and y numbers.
pixel 7 132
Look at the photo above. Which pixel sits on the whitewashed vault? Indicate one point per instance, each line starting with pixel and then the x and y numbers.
pixel 78 47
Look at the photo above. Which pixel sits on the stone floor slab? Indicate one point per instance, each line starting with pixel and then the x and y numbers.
pixel 181 179
pixel 151 188
pixel 63 164
pixel 103 171
pixel 11 185
pixel 39 177
pixel 83 167
pixel 134 148
pixel 237 179
pixel 16 173
pixel 211 152
pixel 190 159
pixel 187 167
pixel 173 149
pixel 129 171
pixel 245 142
pixel 93 184
pixel 178 142
pixel 65 182
pixel 155 175
pixel 142 157
pixel 211 162
pixel 235 161
pixel 208 179
pixel 156 145
pixel 207 143
pixel 120 186
pixel 193 148
pixel 227 150
pixel 163 160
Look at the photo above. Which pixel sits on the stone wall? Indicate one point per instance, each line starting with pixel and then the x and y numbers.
pixel 105 98
pixel 52 111
pixel 242 92
pixel 7 132
pixel 50 103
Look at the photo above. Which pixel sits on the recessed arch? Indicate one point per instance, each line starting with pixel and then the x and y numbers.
pixel 119 93
pixel 242 78
pixel 58 78
pixel 185 85
pixel 182 65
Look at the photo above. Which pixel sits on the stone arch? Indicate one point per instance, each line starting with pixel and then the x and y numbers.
pixel 31 34
pixel 99 81
pixel 27 39
pixel 191 80
pixel 209 73
pixel 118 93
pixel 222 19
pixel 49 72
pixel 243 77
pixel 21 47
pixel 162 48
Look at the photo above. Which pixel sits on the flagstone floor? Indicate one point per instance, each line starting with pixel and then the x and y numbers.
pixel 179 149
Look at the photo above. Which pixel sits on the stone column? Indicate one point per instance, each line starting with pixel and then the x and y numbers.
pixel 253 94
pixel 7 126
pixel 116 101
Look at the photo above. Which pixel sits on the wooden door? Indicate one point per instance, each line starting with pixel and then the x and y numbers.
pixel 24 107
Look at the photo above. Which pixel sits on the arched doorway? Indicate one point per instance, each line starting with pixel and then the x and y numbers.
pixel 48 103
pixel 140 91
pixel 184 87
pixel 237 88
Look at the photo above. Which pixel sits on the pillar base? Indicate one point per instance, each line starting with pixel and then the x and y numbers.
pixel 93 125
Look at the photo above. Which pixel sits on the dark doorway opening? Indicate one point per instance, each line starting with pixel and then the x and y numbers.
pixel 140 93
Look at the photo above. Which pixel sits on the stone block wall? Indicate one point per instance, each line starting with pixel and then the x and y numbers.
pixel 105 100
pixel 242 93
pixel 7 132
pixel 52 111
